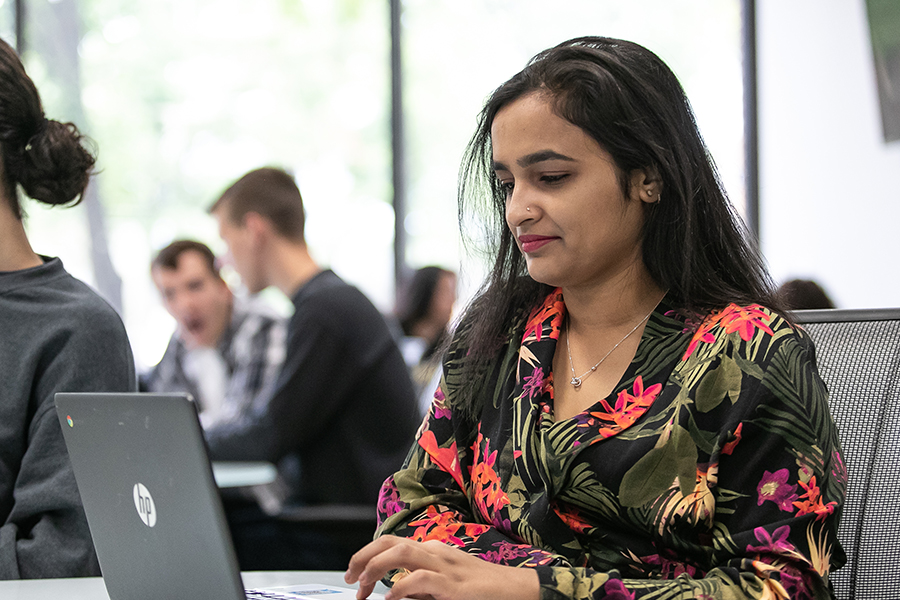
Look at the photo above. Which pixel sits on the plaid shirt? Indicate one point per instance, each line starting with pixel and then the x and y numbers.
pixel 252 348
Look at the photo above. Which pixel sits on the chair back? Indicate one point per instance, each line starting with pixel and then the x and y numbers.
pixel 858 355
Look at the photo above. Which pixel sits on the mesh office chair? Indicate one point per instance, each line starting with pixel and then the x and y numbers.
pixel 858 354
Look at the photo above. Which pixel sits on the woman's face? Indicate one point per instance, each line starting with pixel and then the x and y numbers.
pixel 443 299
pixel 565 206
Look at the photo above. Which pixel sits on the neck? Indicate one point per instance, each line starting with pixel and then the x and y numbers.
pixel 224 323
pixel 15 250
pixel 292 266
pixel 620 303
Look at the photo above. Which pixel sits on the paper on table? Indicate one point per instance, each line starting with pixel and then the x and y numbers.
pixel 307 591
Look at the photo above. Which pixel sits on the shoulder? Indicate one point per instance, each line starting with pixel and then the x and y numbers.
pixel 458 349
pixel 76 320
pixel 256 307
pixel 252 315
pixel 754 356
pixel 52 298
pixel 461 368
pixel 83 342
pixel 90 312
pixel 752 331
pixel 49 309
pixel 330 298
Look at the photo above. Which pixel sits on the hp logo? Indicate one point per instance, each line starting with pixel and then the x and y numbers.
pixel 143 502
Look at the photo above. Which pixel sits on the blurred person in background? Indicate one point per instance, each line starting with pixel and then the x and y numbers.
pixel 342 412
pixel 56 335
pixel 800 294
pixel 424 312
pixel 225 349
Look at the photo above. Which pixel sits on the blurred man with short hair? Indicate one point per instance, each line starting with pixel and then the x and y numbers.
pixel 343 412
pixel 225 350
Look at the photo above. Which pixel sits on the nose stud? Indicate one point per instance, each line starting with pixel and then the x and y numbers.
pixel 528 208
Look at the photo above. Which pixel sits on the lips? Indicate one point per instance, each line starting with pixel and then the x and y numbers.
pixel 531 243
pixel 194 325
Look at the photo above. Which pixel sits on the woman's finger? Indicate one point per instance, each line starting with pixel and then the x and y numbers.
pixel 455 575
pixel 371 563
pixel 402 554
pixel 362 557
pixel 365 590
pixel 418 584
pixel 437 571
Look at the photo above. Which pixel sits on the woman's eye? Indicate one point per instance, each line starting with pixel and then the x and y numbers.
pixel 507 187
pixel 553 178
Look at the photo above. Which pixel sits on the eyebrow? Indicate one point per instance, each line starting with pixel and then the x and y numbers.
pixel 534 158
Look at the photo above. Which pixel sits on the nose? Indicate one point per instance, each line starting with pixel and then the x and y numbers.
pixel 180 304
pixel 519 207
pixel 176 306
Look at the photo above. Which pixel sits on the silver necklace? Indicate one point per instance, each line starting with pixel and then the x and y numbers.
pixel 577 381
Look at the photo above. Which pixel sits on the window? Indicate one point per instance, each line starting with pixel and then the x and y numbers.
pixel 184 96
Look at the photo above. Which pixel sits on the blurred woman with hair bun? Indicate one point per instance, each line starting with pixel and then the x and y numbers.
pixel 56 335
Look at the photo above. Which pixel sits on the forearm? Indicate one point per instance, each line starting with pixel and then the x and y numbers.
pixel 447 517
pixel 245 437
pixel 742 579
pixel 267 427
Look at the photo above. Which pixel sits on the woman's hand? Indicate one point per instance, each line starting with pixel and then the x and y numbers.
pixel 438 572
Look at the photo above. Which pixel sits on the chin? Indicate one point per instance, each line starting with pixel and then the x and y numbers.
pixel 542 276
pixel 195 340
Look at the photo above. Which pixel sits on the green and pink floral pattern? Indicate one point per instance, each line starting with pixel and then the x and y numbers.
pixel 713 470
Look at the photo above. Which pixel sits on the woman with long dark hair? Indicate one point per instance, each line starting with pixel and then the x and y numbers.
pixel 426 307
pixel 56 335
pixel 625 411
pixel 424 311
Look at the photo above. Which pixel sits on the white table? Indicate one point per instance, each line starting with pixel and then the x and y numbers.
pixel 92 588
pixel 243 474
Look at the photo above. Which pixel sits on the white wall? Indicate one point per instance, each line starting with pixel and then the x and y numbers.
pixel 829 193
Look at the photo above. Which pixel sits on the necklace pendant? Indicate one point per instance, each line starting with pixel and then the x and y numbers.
pixel 576 382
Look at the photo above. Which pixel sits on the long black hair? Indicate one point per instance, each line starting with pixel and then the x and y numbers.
pixel 48 159
pixel 628 100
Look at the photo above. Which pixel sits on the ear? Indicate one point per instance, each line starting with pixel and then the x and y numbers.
pixel 646 185
pixel 257 226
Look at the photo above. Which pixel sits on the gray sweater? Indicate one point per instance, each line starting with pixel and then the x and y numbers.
pixel 56 335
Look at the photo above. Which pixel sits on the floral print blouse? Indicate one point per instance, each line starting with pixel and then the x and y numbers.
pixel 713 470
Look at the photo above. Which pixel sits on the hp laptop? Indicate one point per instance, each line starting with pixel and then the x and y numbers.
pixel 151 501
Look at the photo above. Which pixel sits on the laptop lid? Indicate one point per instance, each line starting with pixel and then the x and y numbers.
pixel 149 495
